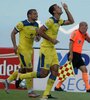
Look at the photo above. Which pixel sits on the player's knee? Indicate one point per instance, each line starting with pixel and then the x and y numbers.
pixel 83 69
pixel 44 74
pixel 54 70
pixel 54 73
pixel 22 70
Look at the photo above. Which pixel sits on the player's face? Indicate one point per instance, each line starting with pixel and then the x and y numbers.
pixel 34 15
pixel 83 27
pixel 58 9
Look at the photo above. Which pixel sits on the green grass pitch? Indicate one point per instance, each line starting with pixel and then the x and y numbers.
pixel 22 95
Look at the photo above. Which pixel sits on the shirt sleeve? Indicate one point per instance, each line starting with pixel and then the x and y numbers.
pixel 19 26
pixel 61 21
pixel 73 36
pixel 49 23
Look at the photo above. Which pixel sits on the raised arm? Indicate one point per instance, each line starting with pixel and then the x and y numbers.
pixel 70 19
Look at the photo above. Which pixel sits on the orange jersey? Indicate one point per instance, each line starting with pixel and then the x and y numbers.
pixel 78 39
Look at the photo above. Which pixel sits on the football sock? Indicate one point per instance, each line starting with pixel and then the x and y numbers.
pixel 59 84
pixel 28 75
pixel 86 80
pixel 12 77
pixel 49 86
pixel 29 83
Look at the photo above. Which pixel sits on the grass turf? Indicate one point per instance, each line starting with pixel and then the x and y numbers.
pixel 22 95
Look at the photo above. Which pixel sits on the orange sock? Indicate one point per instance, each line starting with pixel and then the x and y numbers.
pixel 59 84
pixel 86 80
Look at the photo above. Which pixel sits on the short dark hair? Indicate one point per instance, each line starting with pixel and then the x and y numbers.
pixel 51 9
pixel 30 11
pixel 83 22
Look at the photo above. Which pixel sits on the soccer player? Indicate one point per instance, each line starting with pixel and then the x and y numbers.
pixel 48 56
pixel 24 50
pixel 75 49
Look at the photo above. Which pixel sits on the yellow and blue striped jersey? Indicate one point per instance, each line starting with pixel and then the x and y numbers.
pixel 52 26
pixel 27 33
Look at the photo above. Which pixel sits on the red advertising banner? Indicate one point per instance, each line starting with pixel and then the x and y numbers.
pixel 9 63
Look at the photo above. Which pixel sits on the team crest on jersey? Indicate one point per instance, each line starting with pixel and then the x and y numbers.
pixel 79 41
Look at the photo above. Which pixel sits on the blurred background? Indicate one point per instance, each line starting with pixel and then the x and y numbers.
pixel 13 11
